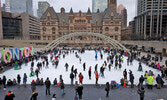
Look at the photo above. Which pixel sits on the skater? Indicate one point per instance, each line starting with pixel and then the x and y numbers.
pixel 18 79
pixel 102 71
pixel 140 67
pixel 24 79
pixel 141 93
pixel 47 84
pixel 32 64
pixel 37 72
pixel 47 63
pixel 34 95
pixel 72 68
pixel 33 86
pixel 125 74
pixel 84 66
pixel 101 55
pixel 55 82
pixel 72 78
pixel 109 67
pixel 75 73
pixel 107 89
pixel 80 91
pixel 32 72
pixel 80 77
pixel 66 65
pixel 116 64
pixel 89 72
pixel 96 76
pixel 4 82
pixel 96 67
pixel 120 65
pixel 80 60
pixel 9 96
pixel 43 63
pixel 96 56
pixel 62 88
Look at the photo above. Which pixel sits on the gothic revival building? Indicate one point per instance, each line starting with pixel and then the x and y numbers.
pixel 54 25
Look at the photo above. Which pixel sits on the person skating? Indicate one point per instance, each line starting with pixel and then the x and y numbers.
pixel 120 65
pixel 34 95
pixel 84 66
pixel 140 67
pixel 80 91
pixel 107 89
pixel 55 82
pixel 4 82
pixel 75 73
pixel 66 65
pixel 47 64
pixel 47 84
pixel 166 62
pixel 72 68
pixel 125 74
pixel 24 79
pixel 96 67
pixel 32 64
pixel 80 77
pixel 9 96
pixel 109 66
pixel 102 71
pixel 89 72
pixel 37 72
pixel 96 76
pixel 18 79
pixel 72 78
pixel 141 93
pixel 62 87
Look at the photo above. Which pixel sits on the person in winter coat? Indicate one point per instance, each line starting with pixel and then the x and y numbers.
pixel 158 66
pixel 107 89
pixel 109 66
pixel 33 85
pixel 96 76
pixel 131 80
pixel 9 96
pixel 55 82
pixel 125 74
pixel 72 68
pixel 140 67
pixel 141 93
pixel 0 82
pixel 41 81
pixel 37 72
pixel 14 82
pixel 66 65
pixel 4 82
pixel 159 81
pixel 80 91
pixel 18 79
pixel 96 67
pixel 75 73
pixel 89 72
pixel 84 66
pixel 76 88
pixel 80 77
pixel 47 84
pixel 141 80
pixel 166 62
pixel 150 81
pixel 62 87
pixel 24 79
pixel 34 95
pixel 72 78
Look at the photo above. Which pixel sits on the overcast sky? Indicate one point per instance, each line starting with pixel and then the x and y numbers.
pixel 84 4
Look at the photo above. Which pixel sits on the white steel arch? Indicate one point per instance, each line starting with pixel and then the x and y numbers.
pixel 113 42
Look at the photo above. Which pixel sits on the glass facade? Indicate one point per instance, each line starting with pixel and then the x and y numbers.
pixel 19 6
pixel 42 6
pixel 12 28
pixel 99 4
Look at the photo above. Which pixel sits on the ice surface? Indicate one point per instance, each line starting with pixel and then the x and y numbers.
pixel 89 58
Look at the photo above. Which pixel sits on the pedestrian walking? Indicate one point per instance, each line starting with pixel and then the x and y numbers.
pixel 24 80
pixel 9 96
pixel 107 89
pixel 4 82
pixel 47 84
pixel 72 78
pixel 80 91
pixel 62 87
pixel 141 93
pixel 34 95
pixel 33 86
pixel 18 79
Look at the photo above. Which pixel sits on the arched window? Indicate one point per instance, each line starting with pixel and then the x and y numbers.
pixel 53 30
pixel 48 23
pixel 106 30
pixel 44 30
pixel 116 29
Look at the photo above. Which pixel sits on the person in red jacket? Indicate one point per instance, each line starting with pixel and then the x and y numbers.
pixel 96 76
pixel 80 78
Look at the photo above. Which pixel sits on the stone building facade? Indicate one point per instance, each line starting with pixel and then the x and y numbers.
pixel 54 25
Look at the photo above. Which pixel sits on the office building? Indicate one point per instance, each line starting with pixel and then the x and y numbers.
pixel 42 6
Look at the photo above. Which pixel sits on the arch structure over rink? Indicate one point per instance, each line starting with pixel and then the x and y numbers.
pixel 114 43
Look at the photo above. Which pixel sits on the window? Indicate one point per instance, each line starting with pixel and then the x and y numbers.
pixel 112 17
pixel 44 38
pixel 53 30
pixel 59 33
pixel 116 37
pixel 43 23
pixel 53 38
pixel 48 37
pixel 44 30
pixel 48 18
pixel 116 29
pixel 106 30
pixel 48 23
pixel 111 37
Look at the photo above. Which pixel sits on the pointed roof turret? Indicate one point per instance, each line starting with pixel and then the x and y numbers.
pixel 88 12
pixel 71 11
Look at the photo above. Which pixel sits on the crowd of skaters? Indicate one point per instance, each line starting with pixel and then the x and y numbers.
pixel 114 57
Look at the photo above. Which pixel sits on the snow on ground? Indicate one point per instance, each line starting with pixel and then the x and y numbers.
pixel 89 58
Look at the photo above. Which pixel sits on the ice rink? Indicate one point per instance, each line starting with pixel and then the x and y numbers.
pixel 89 58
